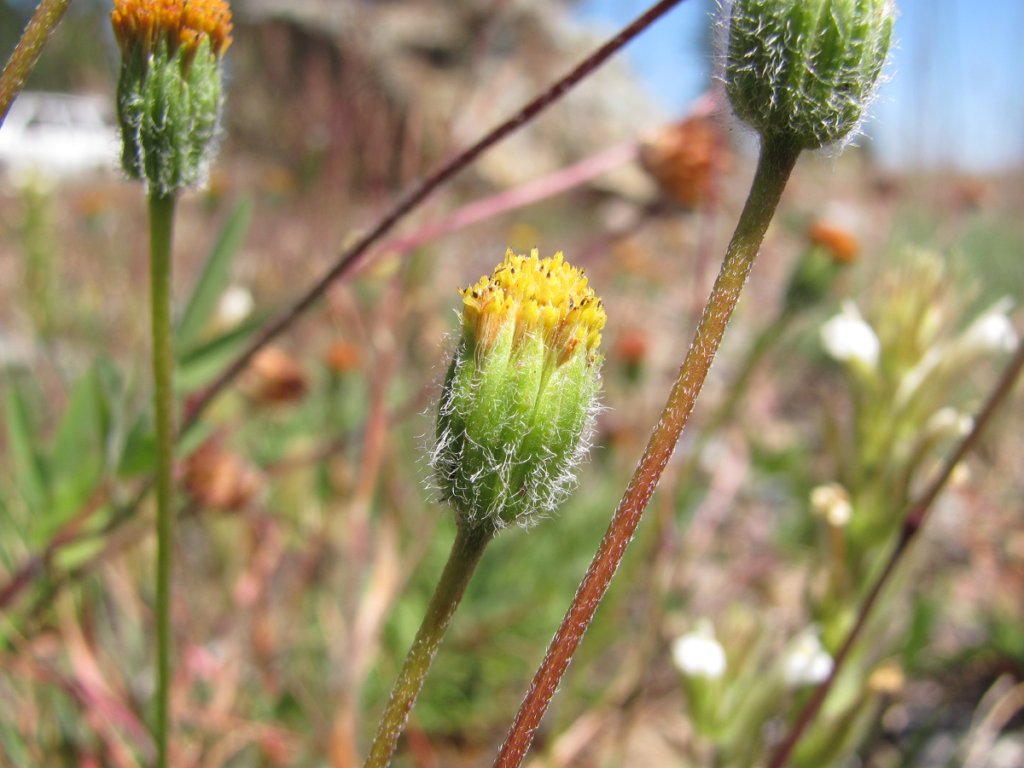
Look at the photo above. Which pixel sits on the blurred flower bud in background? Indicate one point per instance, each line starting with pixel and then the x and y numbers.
pixel 849 339
pixel 832 503
pixel 274 376
pixel 807 662
pixel 684 157
pixel 698 653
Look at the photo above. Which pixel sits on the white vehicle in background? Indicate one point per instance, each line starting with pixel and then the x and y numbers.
pixel 57 134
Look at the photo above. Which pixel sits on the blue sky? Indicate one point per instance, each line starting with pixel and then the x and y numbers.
pixel 955 94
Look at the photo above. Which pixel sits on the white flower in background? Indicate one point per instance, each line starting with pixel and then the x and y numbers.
pixel 949 424
pixel 234 306
pixel 992 332
pixel 698 653
pixel 832 503
pixel 807 662
pixel 848 338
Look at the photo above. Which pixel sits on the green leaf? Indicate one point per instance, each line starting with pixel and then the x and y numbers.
pixel 139 454
pixel 201 366
pixel 110 393
pixel 213 279
pixel 79 454
pixel 29 466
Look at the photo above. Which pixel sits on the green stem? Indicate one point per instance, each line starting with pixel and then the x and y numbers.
pixel 466 551
pixel 773 169
pixel 161 226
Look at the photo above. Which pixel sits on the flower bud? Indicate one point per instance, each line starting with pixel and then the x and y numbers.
pixel 807 662
pixel 849 339
pixel 804 70
pixel 699 654
pixel 832 503
pixel 518 401
pixel 169 91
pixel 991 333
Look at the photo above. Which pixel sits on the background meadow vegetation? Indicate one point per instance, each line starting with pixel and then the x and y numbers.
pixel 308 543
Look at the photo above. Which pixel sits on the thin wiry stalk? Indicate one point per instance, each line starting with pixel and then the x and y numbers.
pixel 46 18
pixel 774 167
pixel 912 523
pixel 348 259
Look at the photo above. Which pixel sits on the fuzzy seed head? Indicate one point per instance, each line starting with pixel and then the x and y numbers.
pixel 805 70
pixel 519 398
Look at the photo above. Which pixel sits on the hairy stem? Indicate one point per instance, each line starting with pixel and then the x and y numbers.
pixel 912 524
pixel 161 226
pixel 466 552
pixel 773 170
pixel 46 18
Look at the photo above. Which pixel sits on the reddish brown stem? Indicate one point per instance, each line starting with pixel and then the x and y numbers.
pixel 912 524
pixel 350 257
pixel 46 18
pixel 773 170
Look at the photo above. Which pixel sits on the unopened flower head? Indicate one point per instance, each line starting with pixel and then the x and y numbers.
pixel 519 398
pixel 832 503
pixel 699 654
pixel 949 424
pixel 992 332
pixel 849 339
pixel 805 70
pixel 233 306
pixel 169 92
pixel 807 662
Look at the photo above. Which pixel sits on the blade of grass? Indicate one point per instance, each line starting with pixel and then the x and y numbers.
pixel 213 279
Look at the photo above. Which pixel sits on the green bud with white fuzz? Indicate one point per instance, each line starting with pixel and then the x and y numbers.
pixel 169 94
pixel 519 398
pixel 804 70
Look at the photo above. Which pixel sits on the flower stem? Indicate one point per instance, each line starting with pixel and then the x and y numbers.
pixel 46 18
pixel 466 551
pixel 774 167
pixel 161 226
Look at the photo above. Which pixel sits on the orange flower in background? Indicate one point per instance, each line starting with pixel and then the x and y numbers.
pixel 835 229
pixel 684 158
pixel 841 243
pixel 181 23
pixel 343 356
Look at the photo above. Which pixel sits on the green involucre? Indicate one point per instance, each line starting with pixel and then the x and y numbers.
pixel 169 113
pixel 805 70
pixel 511 429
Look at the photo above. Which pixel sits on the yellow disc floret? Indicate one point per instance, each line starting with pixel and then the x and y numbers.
pixel 181 23
pixel 544 298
